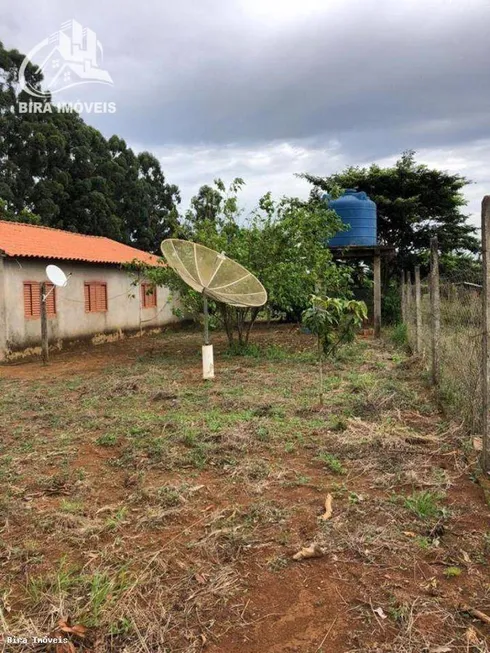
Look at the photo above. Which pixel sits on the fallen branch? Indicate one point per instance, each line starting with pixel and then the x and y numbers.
pixel 328 507
pixel 312 551
pixel 475 613
pixel 421 439
pixel 327 633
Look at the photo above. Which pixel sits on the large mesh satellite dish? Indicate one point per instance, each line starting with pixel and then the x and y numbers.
pixel 215 276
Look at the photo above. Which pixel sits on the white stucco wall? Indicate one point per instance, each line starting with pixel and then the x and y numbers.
pixel 124 313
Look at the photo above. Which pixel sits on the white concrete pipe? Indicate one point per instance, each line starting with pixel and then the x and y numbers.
pixel 207 362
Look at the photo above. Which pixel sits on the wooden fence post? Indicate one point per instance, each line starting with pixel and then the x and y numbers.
pixel 407 298
pixel 403 300
pixel 377 295
pixel 409 307
pixel 485 235
pixel 435 307
pixel 418 311
pixel 407 294
pixel 44 325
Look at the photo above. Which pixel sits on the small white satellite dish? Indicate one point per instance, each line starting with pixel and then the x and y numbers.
pixel 56 276
pixel 215 276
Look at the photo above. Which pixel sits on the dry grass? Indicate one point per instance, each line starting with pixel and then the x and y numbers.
pixel 460 349
pixel 162 513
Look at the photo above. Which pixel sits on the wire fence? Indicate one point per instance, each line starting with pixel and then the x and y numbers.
pixel 447 319
pixel 458 359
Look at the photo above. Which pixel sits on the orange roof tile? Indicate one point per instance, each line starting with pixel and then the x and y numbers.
pixel 18 239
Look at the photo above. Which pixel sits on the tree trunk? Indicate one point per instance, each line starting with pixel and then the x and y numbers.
pixel 239 319
pixel 227 322
pixel 236 319
pixel 320 368
pixel 253 316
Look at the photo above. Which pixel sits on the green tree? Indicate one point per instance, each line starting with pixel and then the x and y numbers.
pixel 334 321
pixel 288 251
pixel 462 268
pixel 55 166
pixel 158 217
pixel 205 206
pixel 414 203
pixel 281 242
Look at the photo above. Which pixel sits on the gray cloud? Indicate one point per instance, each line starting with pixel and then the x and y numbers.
pixel 264 88
pixel 273 167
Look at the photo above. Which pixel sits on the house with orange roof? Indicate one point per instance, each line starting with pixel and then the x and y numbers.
pixel 101 300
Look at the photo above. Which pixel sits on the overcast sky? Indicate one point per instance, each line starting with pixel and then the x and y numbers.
pixel 263 89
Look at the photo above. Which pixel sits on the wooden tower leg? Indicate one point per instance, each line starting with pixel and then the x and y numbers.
pixel 377 295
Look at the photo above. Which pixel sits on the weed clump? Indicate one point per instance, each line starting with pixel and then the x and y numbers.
pixel 425 505
pixel 399 335
pixel 333 463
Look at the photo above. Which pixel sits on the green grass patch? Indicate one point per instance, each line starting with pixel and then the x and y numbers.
pixel 453 572
pixel 399 335
pixel 333 463
pixel 425 504
pixel 107 440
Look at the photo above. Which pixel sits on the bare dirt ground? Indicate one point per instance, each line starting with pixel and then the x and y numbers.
pixel 143 510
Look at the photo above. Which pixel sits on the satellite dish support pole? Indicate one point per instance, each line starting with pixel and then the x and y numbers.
pixel 206 318
pixel 46 295
pixel 44 325
pixel 207 349
pixel 179 253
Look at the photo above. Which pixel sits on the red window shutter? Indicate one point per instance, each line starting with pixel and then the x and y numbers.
pixel 86 290
pixel 51 300
pixel 148 295
pixel 36 299
pixel 101 297
pixel 27 299
pixel 93 297
pixel 32 299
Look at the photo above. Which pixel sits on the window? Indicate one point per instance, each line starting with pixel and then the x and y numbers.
pixel 95 297
pixel 148 295
pixel 32 299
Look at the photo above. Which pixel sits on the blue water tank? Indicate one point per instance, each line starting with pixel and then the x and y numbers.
pixel 358 212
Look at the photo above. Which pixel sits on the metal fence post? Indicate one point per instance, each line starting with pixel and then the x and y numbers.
pixel 435 306
pixel 418 311
pixel 485 227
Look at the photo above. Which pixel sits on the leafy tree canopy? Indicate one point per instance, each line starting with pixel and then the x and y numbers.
pixel 281 242
pixel 56 167
pixel 414 203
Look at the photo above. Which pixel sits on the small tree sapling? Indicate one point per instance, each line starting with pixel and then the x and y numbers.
pixel 335 322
